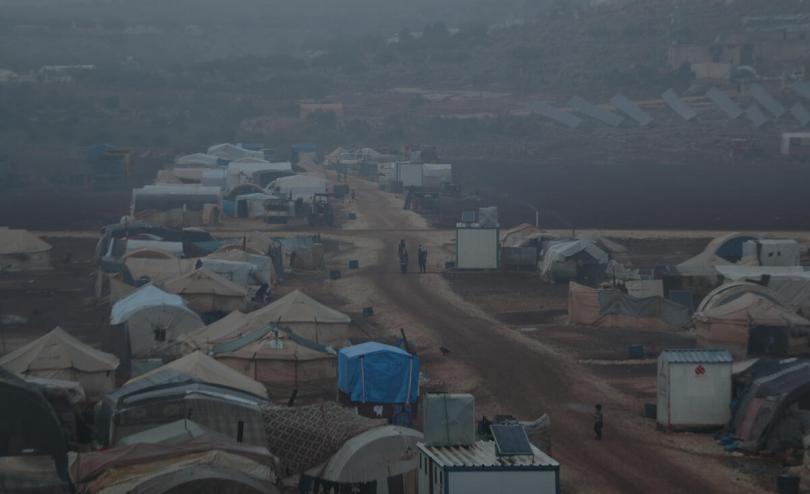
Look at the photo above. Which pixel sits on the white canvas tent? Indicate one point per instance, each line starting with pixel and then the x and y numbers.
pixel 203 368
pixel 306 317
pixel 198 159
pixel 228 151
pixel 298 186
pixel 558 254
pixel 380 454
pixel 152 319
pixel 20 250
pixel 255 171
pixel 58 355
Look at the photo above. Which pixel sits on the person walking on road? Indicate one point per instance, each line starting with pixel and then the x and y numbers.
pixel 598 422
pixel 422 259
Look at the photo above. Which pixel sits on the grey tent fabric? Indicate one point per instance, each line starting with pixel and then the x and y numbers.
pixel 615 302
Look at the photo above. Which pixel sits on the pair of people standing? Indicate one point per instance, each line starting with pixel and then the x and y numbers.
pixel 403 257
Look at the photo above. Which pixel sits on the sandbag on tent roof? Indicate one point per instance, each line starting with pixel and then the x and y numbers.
pixel 20 250
pixel 375 373
pixel 58 355
pixel 203 368
pixel 207 291
pixel 614 308
pixel 303 437
pixel 306 317
pixel 152 319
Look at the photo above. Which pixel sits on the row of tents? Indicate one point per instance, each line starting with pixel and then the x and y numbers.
pixel 228 180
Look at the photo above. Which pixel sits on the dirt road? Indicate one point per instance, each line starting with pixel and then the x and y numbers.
pixel 511 373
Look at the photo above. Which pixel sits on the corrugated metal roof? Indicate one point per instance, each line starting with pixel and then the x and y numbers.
pixel 482 454
pixel 697 356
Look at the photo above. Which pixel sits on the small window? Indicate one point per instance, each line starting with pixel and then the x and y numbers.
pixel 770 254
pixel 160 335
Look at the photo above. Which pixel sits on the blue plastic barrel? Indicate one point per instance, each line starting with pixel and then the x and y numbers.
pixel 354 264
pixel 636 351
pixel 335 274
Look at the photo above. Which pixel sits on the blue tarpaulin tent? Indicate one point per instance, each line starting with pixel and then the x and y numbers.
pixel 376 373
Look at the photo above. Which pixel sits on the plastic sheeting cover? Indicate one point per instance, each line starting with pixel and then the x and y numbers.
pixel 616 302
pixel 376 373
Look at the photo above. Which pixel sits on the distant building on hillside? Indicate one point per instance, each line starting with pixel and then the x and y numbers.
pixel 305 109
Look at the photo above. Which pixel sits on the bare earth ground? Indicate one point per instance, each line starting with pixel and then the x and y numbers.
pixel 506 333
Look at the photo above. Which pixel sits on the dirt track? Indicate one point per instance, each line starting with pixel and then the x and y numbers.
pixel 511 373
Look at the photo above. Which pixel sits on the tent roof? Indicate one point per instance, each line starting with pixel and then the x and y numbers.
pixel 371 347
pixel 146 296
pixel 202 367
pixel 279 346
pixel 298 307
pixel 58 350
pixel 299 181
pixel 173 432
pixel 203 281
pixel 199 338
pixel 754 309
pixel 21 242
pixel 177 189
pixel 728 292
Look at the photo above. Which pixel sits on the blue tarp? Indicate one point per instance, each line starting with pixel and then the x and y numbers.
pixel 376 373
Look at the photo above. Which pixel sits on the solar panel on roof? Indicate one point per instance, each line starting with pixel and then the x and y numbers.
pixel 765 99
pixel 678 105
pixel 725 103
pixel 801 114
pixel 587 108
pixel 559 116
pixel 802 89
pixel 756 116
pixel 631 109
pixel 511 440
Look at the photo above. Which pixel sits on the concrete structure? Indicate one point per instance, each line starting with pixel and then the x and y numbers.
pixel 694 388
pixel 476 247
pixel 479 468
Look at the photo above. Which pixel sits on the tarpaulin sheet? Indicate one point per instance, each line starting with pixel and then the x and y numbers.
pixel 620 303
pixel 617 309
pixel 376 373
